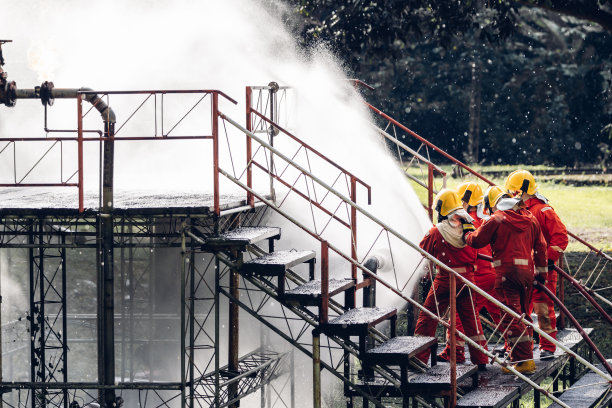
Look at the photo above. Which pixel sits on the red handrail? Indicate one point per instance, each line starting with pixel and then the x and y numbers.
pixel 428 143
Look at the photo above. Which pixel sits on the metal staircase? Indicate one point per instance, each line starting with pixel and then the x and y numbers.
pixel 375 353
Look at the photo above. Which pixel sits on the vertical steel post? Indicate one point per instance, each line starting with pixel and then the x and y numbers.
pixel 561 321
pixel 262 402
pixel 33 311
pixel 323 313
pixel 183 330
pixel 122 294
pixel 80 151
pixel 215 134
pixel 234 327
pixel 292 377
pixel 106 335
pixel 351 293
pixel 64 321
pixel 131 306
pixel 453 340
pixel 192 322
pixel 249 151
pixel 316 369
pixel 430 190
pixel 217 330
pixel 150 306
pixel 41 313
pixel 271 133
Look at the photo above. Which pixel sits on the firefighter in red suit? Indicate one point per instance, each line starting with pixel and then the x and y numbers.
pixel 484 274
pixel 522 184
pixel 445 242
pixel 514 235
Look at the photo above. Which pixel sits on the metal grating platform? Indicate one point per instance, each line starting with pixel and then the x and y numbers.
pixel 64 201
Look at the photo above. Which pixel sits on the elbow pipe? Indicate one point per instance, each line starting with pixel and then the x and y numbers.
pixel 47 94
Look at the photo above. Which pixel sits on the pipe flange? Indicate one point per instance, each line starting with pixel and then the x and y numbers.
pixel 10 94
pixel 46 93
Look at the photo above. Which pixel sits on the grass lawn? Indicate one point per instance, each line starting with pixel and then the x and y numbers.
pixel 585 210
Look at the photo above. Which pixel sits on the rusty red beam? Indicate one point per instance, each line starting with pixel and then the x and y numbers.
pixel 101 139
pixel 162 91
pixel 40 185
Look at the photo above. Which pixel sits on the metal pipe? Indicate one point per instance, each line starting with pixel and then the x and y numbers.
pixel 108 115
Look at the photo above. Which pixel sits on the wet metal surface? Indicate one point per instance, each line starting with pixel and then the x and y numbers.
pixel 405 345
pixel 492 383
pixel 440 374
pixel 362 315
pixel 244 236
pixel 285 258
pixel 313 288
pixel 34 199
pixel 585 392
pixel 489 397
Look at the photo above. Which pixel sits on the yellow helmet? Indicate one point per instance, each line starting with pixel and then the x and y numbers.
pixel 492 196
pixel 470 193
pixel 521 181
pixel 445 202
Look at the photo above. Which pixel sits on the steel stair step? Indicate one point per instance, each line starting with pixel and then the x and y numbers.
pixel 241 237
pixel 397 351
pixel 356 322
pixel 437 378
pixel 589 391
pixel 309 294
pixel 277 263
pixel 489 397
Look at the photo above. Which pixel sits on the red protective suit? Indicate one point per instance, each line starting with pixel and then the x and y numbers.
pixel 462 260
pixel 484 277
pixel 555 235
pixel 513 235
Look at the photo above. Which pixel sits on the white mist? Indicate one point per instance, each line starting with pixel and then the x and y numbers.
pixel 225 45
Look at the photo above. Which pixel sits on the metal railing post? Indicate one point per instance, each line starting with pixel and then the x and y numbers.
pixel 215 134
pixel 80 152
pixel 249 151
pixel 323 313
pixel 350 294
pixel 430 190
pixel 561 321
pixel 453 340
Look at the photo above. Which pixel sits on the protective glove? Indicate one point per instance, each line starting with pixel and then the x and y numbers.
pixel 541 279
pixel 551 265
pixel 468 228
